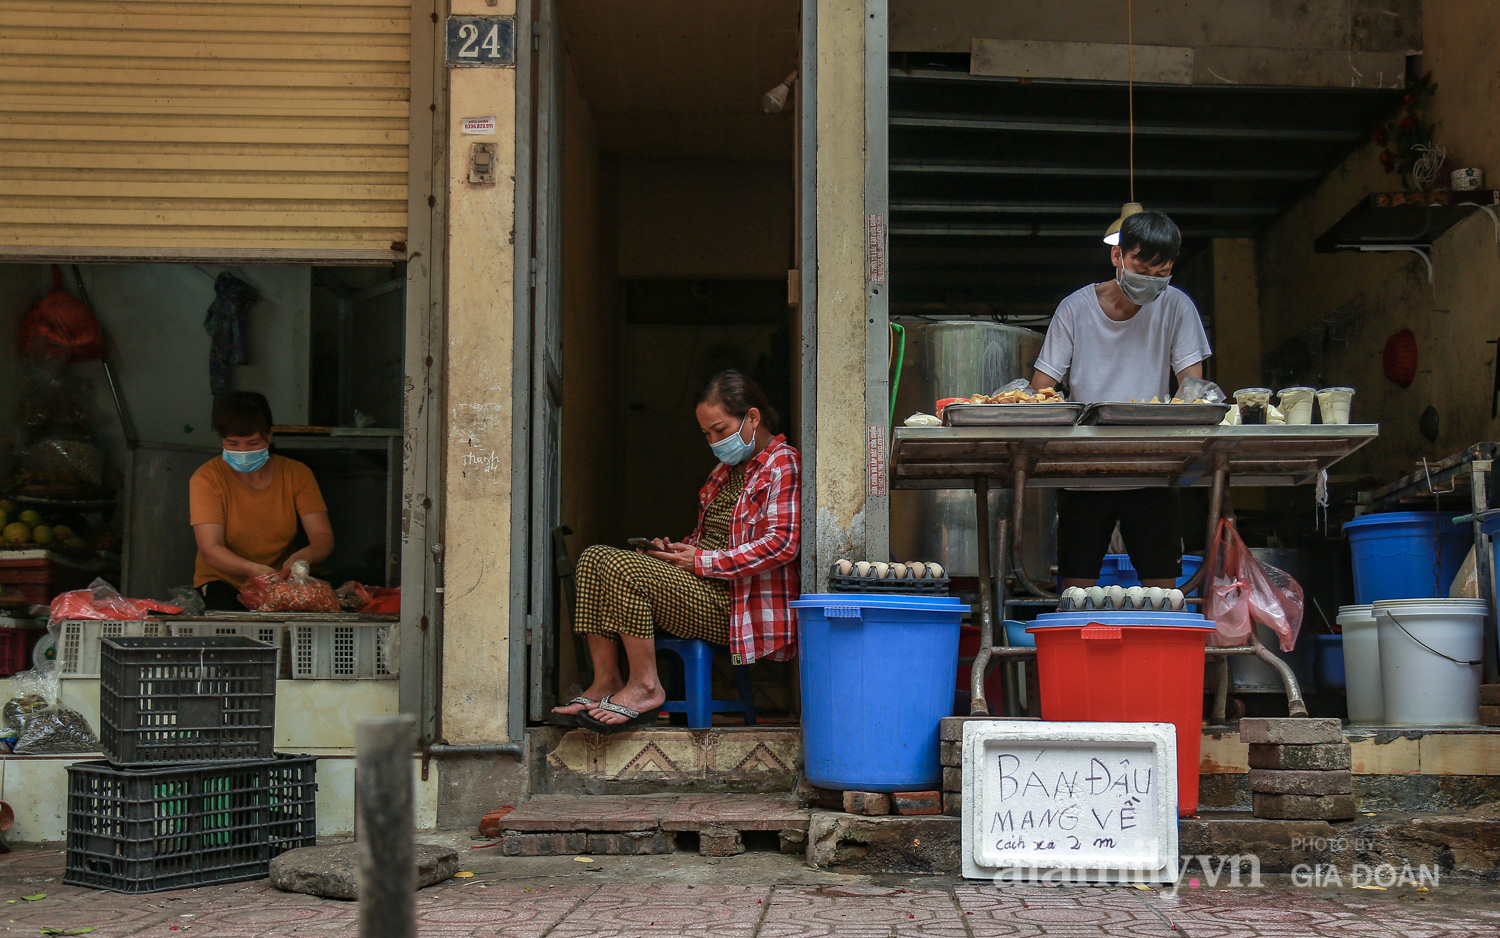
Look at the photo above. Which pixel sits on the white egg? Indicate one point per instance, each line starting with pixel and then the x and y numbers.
pixel 881 570
pixel 899 571
pixel 1135 597
pixel 844 568
pixel 1176 600
pixel 1072 598
pixel 935 570
pixel 862 568
pixel 1156 598
pixel 1094 597
pixel 916 569
pixel 1114 596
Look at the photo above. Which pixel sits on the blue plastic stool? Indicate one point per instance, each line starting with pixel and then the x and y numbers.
pixel 697 679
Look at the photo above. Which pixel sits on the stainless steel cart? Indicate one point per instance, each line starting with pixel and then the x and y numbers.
pixel 1109 456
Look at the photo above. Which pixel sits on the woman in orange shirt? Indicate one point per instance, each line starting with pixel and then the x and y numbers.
pixel 246 505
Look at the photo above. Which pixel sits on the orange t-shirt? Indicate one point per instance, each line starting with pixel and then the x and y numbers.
pixel 258 526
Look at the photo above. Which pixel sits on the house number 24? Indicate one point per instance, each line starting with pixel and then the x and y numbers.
pixel 481 40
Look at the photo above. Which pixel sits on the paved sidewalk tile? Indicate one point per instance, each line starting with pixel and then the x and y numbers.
pixel 1264 913
pixel 1084 912
pixel 618 911
pixel 1428 918
pixel 862 912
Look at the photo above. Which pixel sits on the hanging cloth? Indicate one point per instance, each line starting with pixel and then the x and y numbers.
pixel 233 297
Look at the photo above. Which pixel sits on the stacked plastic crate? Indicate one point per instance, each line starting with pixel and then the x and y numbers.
pixel 191 791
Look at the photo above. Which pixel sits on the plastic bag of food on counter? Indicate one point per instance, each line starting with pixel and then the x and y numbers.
pixel 385 600
pixel 102 601
pixel 189 600
pixel 1243 591
pixel 352 596
pixel 291 590
pixel 920 419
pixel 39 723
pixel 1200 389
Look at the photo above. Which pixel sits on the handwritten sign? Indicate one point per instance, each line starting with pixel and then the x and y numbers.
pixel 1070 802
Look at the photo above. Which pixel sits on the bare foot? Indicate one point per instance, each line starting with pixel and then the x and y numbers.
pixel 634 697
pixel 595 692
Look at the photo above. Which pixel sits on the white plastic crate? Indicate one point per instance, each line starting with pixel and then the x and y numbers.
pixel 341 652
pixel 78 640
pixel 270 633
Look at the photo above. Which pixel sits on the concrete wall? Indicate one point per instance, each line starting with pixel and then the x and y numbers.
pixel 684 217
pixel 841 327
pixel 480 275
pixel 1371 296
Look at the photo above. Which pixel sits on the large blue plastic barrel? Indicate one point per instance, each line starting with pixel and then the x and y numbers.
pixel 1394 553
pixel 877 676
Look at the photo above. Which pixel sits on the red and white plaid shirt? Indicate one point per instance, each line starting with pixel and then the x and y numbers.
pixel 761 561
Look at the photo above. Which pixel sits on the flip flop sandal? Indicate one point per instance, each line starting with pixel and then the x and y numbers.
pixel 633 718
pixel 571 719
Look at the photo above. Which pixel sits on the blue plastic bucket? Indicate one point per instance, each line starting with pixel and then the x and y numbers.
pixel 1017 636
pixel 1393 555
pixel 877 676
pixel 1330 660
pixel 1117 570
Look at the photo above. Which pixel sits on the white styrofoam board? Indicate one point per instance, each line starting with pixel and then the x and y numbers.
pixel 1070 801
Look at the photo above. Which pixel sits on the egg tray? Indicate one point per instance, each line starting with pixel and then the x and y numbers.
pixel 925 586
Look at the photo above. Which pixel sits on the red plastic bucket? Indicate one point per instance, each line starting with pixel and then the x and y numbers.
pixel 1129 674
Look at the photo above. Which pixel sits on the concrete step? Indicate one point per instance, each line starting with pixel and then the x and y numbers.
pixel 553 825
pixel 753 759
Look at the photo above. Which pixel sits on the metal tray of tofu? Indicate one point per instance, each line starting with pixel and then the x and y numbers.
pixel 1011 415
pixel 1152 415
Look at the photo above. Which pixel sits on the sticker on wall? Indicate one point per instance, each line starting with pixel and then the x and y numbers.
pixel 479 125
pixel 876 480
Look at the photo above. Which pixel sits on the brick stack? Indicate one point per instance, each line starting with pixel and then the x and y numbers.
pixel 1489 704
pixel 1299 768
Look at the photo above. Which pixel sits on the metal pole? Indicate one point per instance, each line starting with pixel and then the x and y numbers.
pixel 1018 528
pixel 1479 501
pixel 978 706
pixel 386 820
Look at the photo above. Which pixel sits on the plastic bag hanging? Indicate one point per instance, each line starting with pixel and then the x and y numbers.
pixel 61 327
pixel 1242 592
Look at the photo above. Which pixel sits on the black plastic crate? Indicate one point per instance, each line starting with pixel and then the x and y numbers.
pixel 926 586
pixel 188 699
pixel 169 827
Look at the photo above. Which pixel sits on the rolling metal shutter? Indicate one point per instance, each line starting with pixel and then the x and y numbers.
pixel 170 129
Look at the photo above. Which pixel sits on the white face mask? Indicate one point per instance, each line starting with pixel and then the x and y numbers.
pixel 1141 289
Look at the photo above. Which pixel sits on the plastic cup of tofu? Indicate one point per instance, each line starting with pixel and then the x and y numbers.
pixel 1297 404
pixel 1333 404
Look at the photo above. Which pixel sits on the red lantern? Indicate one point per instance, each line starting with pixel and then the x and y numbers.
pixel 1400 358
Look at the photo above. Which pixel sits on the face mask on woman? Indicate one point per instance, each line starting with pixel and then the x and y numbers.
pixel 247 461
pixel 732 450
pixel 1141 289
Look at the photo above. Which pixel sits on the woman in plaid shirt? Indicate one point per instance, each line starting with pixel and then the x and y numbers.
pixel 728 583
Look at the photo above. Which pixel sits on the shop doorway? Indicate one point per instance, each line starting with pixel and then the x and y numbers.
pixel 665 226
pixel 109 454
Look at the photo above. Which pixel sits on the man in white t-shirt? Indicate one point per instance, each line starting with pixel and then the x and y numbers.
pixel 1123 340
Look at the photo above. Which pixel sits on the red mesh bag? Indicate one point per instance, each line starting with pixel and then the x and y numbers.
pixel 60 326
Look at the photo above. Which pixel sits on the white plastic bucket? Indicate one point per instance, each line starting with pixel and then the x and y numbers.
pixel 1362 678
pixel 1431 653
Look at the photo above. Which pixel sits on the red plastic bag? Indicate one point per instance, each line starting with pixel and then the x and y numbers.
pixel 353 597
pixel 102 601
pixel 60 326
pixel 1242 590
pixel 384 600
pixel 292 590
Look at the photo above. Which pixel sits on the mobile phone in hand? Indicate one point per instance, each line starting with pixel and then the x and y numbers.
pixel 640 543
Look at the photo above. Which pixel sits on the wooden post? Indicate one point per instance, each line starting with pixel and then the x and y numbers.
pixel 385 815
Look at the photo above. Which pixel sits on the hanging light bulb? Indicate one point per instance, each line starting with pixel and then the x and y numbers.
pixel 1112 233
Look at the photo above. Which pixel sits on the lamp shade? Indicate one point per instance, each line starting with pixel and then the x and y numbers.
pixel 1400 358
pixel 1112 233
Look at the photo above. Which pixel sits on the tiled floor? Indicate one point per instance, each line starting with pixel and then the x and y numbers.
pixel 746 897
